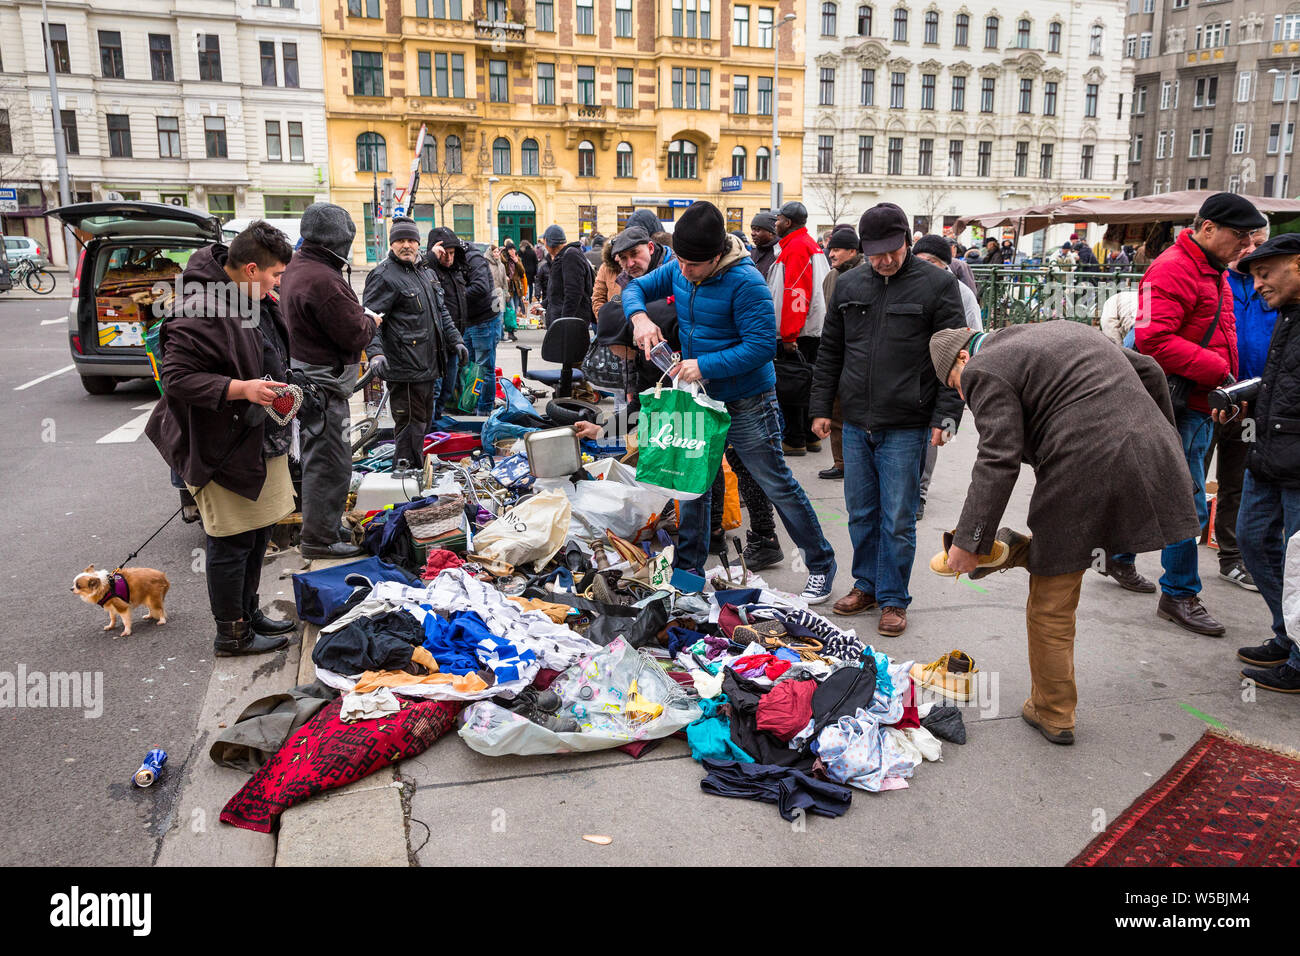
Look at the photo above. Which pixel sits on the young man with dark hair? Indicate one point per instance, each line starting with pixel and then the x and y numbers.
pixel 225 353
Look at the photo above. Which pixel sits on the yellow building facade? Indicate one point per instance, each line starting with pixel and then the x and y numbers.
pixel 574 112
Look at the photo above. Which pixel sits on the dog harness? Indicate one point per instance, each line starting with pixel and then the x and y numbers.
pixel 117 588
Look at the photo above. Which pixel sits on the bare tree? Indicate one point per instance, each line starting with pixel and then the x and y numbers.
pixel 933 196
pixel 442 189
pixel 833 191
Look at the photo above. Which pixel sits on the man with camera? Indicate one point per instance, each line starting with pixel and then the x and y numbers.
pixel 410 350
pixel 1270 495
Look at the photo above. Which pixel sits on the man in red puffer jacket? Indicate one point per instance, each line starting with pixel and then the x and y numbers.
pixel 1186 323
pixel 801 311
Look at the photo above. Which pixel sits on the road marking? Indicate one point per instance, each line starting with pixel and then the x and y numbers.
pixel 1205 717
pixel 130 431
pixel 52 321
pixel 43 378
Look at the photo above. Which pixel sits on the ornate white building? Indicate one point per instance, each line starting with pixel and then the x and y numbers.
pixel 955 109
pixel 214 104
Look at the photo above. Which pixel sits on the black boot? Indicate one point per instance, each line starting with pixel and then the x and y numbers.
pixel 237 638
pixel 267 625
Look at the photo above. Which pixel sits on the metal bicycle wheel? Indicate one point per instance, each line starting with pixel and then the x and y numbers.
pixel 40 281
pixel 362 434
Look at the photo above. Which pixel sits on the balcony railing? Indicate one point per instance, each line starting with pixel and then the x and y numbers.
pixel 499 31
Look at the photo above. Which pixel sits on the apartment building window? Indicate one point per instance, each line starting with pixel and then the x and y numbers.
pixel 1049 99
pixel 289 54
pixel 424 62
pixel 1286 28
pixel 959 94
pixel 222 206
pixel 764 96
pixel 1149 6
pixel 429 155
pixel 762 165
pixel 1045 160
pixel 452 154
pixel 925 158
pixel 825 153
pixel 706 95
pixel 587 85
pixel 1131 45
pixel 830 14
pixel 457 75
pixel 119 134
pixel 900 25
pixel 1085 161
pixel 1140 101
pixel 372 153
pixel 160 57
pixel 1022 159
pixel 1213 35
pixel 961 32
pixel 1234 184
pixel 623 161
pixel 273 151
pixel 110 55
pixel 955 149
pixel 622 18
pixel 895 167
pixel 1279 82
pixel 546 83
pixel 499 81
pixel 214 136
pixel 545 16
pixel 6 133
pixel 586 24
pixel 1135 149
pixel 867 94
pixel 990 33
pixel 987 89
pixel 210 58
pixel 1144 46
pixel 692 15
pixel 1274 130
pixel 740 94
pixel 59 47
pixel 984 159
pixel 266 58
pixel 826 89
pixel 1023 40
pixel 1244 80
pixel 169 137
pixel 447 9
pixel 677 95
pixel 1095 36
pixel 624 88
pixel 739 161
pixel 1202 140
pixel 897 90
pixel 364 8
pixel 682 155
pixel 927 91
pixel 1239 139
pixel 864 20
pixel 529 163
pixel 297 152
pixel 367 73
pixel 1026 96
pixel 740 26
pixel 463 220
pixel 931 34
pixel 501 156
pixel 706 27
pixel 765 18
pixel 1268 184
pixel 1207 91
pixel 1054 37
pixel 866 149
pixel 1090 100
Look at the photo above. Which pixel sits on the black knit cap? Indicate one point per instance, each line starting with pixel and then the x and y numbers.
pixel 700 233
pixel 843 237
pixel 403 227
pixel 933 245
pixel 1232 211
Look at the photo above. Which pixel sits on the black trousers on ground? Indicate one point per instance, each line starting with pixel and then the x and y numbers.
pixel 234 569
pixel 1230 472
pixel 412 404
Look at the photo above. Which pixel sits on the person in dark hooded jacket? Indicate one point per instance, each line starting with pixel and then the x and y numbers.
pixel 571 279
pixel 483 305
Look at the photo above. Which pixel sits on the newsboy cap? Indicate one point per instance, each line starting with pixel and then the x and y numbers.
pixel 1232 211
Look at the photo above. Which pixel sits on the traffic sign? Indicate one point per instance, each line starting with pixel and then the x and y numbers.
pixel 8 199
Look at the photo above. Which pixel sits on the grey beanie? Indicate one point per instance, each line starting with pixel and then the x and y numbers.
pixel 944 348
pixel 647 219
pixel 330 226
pixel 403 227
pixel 764 220
pixel 553 236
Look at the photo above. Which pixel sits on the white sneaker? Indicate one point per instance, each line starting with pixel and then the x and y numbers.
pixel 817 590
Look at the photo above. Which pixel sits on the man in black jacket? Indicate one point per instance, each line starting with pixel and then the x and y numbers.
pixel 1269 515
pixel 762 230
pixel 875 357
pixel 448 269
pixel 327 331
pixel 411 347
pixel 482 305
pixel 570 281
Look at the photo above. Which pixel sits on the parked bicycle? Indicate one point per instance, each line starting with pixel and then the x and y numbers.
pixel 39 280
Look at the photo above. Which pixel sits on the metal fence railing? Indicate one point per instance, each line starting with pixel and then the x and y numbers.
pixel 1014 295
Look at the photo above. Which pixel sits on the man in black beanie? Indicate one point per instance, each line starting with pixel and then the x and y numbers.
pixel 762 230
pixel 727 328
pixel 842 250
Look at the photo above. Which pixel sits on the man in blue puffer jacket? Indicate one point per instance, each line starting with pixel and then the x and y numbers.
pixel 727 326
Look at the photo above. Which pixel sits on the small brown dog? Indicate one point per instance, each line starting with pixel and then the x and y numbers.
pixel 119 592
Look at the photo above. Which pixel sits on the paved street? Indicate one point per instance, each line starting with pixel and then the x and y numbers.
pixel 82 486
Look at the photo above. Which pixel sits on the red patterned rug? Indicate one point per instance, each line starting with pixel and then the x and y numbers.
pixel 1225 803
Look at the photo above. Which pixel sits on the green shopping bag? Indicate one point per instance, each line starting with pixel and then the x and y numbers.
pixel 681 435
pixel 473 379
pixel 511 322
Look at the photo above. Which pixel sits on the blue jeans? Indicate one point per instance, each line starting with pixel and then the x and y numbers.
pixel 481 340
pixel 1181 561
pixel 755 434
pixel 1269 515
pixel 447 388
pixel 882 490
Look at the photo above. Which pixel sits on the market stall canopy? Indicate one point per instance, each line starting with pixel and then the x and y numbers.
pixel 1026 219
pixel 1166 207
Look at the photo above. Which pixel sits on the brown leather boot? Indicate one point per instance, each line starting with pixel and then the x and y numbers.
pixel 855 602
pixel 1190 614
pixel 893 621
pixel 1127 577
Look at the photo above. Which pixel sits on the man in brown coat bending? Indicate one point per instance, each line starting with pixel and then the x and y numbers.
pixel 1096 424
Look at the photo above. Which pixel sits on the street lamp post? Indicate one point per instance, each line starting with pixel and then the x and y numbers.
pixel 1278 188
pixel 60 148
pixel 492 180
pixel 774 172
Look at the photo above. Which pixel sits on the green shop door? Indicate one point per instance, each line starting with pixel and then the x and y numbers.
pixel 516 226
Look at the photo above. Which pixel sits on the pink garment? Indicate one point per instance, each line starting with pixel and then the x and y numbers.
pixel 765 665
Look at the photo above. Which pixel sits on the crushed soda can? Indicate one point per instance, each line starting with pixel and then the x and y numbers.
pixel 151 769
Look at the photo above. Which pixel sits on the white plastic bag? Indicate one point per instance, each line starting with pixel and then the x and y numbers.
pixel 622 508
pixel 533 530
